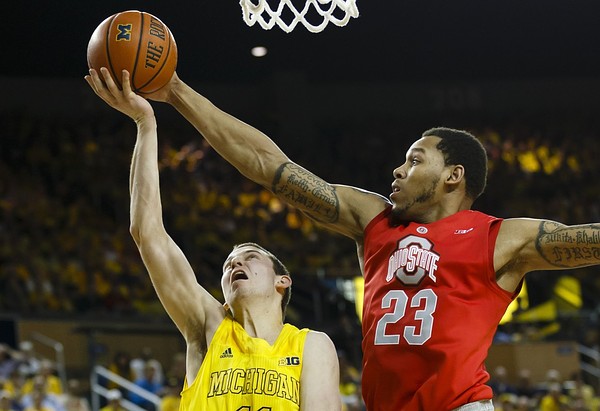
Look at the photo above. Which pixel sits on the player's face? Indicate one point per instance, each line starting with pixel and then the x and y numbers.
pixel 247 271
pixel 417 182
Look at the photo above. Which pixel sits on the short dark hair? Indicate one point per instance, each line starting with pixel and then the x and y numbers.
pixel 462 147
pixel 279 269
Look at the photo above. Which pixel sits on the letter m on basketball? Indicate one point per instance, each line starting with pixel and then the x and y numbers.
pixel 124 32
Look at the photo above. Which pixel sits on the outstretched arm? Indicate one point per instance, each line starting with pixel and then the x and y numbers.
pixel 195 312
pixel 525 245
pixel 344 209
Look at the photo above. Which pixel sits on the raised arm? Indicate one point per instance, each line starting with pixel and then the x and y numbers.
pixel 344 209
pixel 195 312
pixel 525 245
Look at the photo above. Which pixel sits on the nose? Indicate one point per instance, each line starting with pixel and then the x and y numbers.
pixel 235 261
pixel 399 172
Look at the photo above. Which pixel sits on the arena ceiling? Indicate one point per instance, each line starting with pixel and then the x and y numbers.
pixel 391 40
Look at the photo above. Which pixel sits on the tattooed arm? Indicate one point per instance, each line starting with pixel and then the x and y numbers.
pixel 525 245
pixel 343 209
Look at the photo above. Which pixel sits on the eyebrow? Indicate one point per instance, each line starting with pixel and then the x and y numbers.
pixel 415 149
pixel 244 253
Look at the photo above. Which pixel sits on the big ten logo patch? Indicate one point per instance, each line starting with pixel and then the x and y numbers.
pixel 289 361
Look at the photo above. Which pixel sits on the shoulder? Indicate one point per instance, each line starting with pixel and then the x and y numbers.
pixel 319 344
pixel 317 335
pixel 474 216
pixel 519 229
pixel 361 199
pixel 516 250
pixel 357 207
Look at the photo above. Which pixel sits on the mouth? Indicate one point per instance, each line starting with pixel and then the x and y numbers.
pixel 238 275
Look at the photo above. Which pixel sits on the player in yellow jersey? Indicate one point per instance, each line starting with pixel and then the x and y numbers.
pixel 240 355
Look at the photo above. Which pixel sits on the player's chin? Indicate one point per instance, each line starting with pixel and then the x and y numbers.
pixel 397 214
pixel 398 205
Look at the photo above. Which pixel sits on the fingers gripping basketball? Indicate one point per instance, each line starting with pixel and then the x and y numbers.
pixel 138 42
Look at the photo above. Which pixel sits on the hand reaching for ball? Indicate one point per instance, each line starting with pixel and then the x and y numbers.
pixel 123 100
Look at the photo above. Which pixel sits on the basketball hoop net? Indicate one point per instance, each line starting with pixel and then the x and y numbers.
pixel 337 12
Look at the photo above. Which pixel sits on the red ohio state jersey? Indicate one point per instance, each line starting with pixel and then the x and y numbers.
pixel 431 309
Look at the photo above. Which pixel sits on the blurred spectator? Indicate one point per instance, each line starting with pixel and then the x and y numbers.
pixel 171 397
pixel 525 386
pixel 177 368
pixel 73 398
pixel 140 363
pixel 30 363
pixel 6 401
pixel 581 393
pixel 121 365
pixel 14 385
pixel 552 380
pixel 113 397
pixel 506 402
pixel 39 400
pixel 45 378
pixel 525 403
pixel 554 400
pixel 499 382
pixel 8 362
pixel 349 384
pixel 148 382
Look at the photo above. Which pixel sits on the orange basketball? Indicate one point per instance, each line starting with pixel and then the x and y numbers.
pixel 137 42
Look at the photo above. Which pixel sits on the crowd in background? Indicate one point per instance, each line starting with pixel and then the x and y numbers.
pixel 29 382
pixel 65 248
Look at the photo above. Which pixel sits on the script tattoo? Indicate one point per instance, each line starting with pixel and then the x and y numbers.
pixel 569 247
pixel 306 191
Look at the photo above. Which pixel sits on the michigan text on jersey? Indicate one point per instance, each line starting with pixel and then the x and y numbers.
pixel 254 381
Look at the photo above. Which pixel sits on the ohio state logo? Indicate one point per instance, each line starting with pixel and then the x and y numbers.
pixel 413 260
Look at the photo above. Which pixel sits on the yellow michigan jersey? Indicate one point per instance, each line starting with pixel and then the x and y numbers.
pixel 241 373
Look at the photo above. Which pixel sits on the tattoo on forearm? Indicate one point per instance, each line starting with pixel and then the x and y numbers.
pixel 306 191
pixel 569 247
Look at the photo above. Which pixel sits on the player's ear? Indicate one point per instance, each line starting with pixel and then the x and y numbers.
pixel 455 175
pixel 283 282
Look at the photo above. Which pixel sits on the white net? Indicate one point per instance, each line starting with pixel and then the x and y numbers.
pixel 287 16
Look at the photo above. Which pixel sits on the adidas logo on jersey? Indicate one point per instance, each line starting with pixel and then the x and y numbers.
pixel 227 353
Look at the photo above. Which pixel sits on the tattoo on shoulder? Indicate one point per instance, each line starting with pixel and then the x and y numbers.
pixel 309 193
pixel 569 246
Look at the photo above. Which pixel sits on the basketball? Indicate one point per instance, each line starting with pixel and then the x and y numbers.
pixel 138 42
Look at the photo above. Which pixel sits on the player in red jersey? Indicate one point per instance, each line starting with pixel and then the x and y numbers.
pixel 438 276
